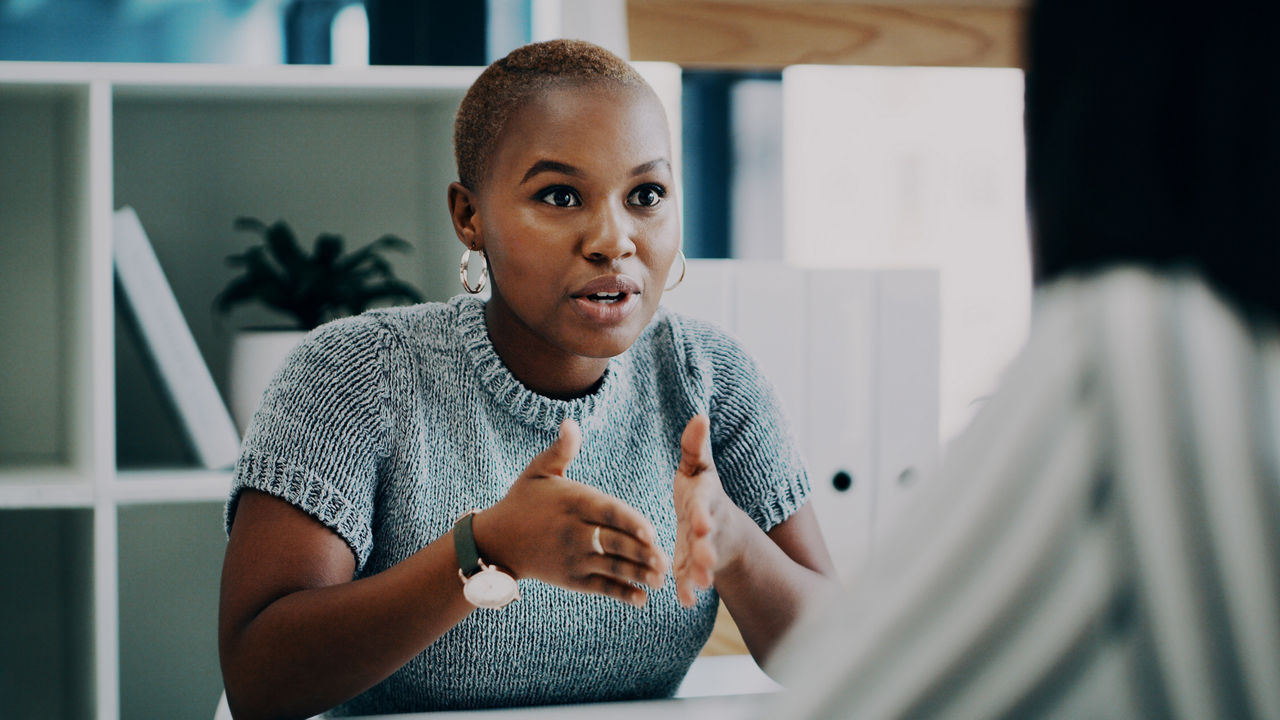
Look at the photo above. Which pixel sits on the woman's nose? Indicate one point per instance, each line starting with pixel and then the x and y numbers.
pixel 610 235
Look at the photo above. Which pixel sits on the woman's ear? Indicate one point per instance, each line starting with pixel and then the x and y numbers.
pixel 465 215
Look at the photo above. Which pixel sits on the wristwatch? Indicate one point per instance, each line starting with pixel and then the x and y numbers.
pixel 483 585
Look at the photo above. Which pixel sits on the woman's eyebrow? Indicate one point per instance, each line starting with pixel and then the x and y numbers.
pixel 549 166
pixel 542 166
pixel 652 164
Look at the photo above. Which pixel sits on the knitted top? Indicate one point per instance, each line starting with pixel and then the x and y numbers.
pixel 388 426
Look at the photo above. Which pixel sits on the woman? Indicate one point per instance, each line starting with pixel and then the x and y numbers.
pixel 389 485
pixel 1103 542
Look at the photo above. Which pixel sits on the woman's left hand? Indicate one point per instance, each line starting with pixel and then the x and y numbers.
pixel 707 521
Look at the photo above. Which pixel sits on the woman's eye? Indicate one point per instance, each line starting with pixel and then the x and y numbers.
pixel 646 196
pixel 561 197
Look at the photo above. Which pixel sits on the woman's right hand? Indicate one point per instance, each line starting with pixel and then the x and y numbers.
pixel 543 528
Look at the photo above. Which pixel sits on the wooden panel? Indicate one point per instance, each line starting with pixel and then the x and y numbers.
pixel 725 638
pixel 772 34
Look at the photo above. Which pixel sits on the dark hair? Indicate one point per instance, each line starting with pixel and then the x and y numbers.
pixel 1153 137
pixel 507 83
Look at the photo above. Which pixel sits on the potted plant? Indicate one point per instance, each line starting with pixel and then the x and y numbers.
pixel 308 288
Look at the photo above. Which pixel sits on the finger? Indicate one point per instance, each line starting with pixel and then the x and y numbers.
pixel 626 592
pixel 695 560
pixel 556 458
pixel 687 586
pixel 702 561
pixel 693 510
pixel 598 508
pixel 685 592
pixel 621 570
pixel 629 548
pixel 695 446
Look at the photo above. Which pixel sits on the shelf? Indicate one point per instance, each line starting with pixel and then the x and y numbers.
pixel 44 487
pixel 136 487
pixel 35 488
pixel 191 79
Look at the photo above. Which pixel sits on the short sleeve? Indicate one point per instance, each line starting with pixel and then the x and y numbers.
pixel 755 452
pixel 319 435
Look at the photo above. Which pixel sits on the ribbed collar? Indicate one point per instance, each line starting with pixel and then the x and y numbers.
pixel 496 379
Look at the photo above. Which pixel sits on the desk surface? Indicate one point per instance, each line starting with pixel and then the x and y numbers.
pixel 721 707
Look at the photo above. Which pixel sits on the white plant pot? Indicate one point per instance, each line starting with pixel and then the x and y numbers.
pixel 256 355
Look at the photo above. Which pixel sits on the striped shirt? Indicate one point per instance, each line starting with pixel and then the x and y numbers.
pixel 1103 541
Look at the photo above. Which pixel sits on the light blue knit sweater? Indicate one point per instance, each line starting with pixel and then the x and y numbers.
pixel 388 426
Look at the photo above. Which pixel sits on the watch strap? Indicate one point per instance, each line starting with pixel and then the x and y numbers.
pixel 464 545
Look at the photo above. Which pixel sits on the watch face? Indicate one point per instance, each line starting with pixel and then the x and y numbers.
pixel 490 588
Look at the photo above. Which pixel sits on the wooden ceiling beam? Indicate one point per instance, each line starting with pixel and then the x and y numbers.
pixel 771 34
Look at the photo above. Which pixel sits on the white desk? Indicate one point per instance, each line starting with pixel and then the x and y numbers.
pixel 718 687
pixel 721 707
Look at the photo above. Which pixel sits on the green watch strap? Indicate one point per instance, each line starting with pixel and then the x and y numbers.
pixel 464 544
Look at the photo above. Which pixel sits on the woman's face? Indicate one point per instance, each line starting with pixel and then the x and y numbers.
pixel 579 220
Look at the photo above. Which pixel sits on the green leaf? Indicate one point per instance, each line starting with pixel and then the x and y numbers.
pixel 328 248
pixel 312 287
pixel 256 265
pixel 284 247
pixel 390 242
pixel 373 266
pixel 239 260
pixel 251 224
pixel 393 242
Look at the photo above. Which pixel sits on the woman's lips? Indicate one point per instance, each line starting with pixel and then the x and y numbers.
pixel 607 299
pixel 608 284
pixel 606 311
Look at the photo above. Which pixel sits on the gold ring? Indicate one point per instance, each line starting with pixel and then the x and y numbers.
pixel 595 541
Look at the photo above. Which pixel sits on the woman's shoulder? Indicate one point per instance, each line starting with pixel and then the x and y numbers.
pixel 707 359
pixel 429 322
pixel 377 333
pixel 694 339
pixel 343 338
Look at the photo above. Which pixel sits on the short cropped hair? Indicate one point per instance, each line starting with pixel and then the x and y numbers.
pixel 506 84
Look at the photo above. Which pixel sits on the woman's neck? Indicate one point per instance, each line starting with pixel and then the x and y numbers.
pixel 537 364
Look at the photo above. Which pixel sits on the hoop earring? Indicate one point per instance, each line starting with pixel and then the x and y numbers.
pixel 684 265
pixel 484 271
